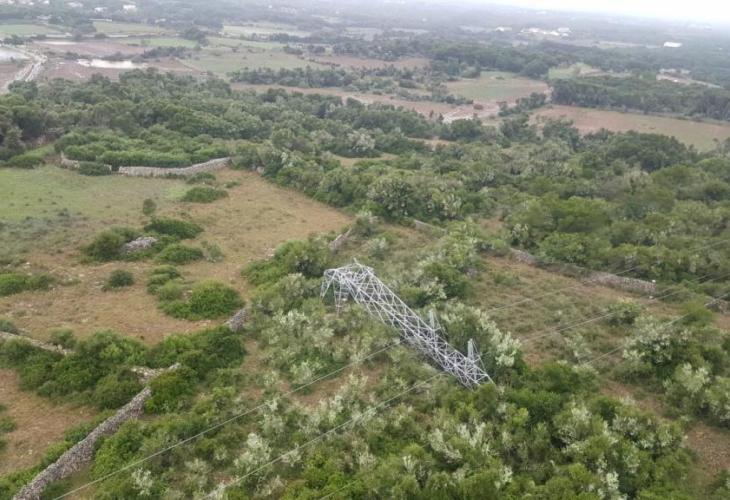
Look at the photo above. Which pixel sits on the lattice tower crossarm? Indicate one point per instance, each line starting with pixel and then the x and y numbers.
pixel 360 282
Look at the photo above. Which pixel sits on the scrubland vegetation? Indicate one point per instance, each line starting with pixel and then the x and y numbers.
pixel 597 391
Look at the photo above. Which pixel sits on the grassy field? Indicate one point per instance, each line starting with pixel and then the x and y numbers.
pixel 111 27
pixel 699 134
pixel 26 29
pixel 496 85
pixel 222 41
pixel 161 41
pixel 222 61
pixel 263 29
pixel 255 218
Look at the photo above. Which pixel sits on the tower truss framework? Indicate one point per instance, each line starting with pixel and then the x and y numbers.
pixel 360 282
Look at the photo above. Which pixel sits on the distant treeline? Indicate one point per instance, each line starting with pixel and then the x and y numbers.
pixel 644 94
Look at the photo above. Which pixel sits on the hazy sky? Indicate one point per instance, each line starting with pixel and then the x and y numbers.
pixel 698 10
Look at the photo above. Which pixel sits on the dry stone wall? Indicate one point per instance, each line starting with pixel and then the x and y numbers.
pixel 80 454
pixel 208 166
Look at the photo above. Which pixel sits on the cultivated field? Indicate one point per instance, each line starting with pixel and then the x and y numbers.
pixel 263 30
pixel 223 60
pixel 496 86
pixel 255 218
pixel 702 135
pixel 115 28
pixel 26 30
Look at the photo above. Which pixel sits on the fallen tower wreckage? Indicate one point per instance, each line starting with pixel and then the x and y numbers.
pixel 360 282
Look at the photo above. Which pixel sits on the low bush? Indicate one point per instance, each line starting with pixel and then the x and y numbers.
pixel 177 228
pixel 149 207
pixel 179 254
pixel 29 159
pixel 8 326
pixel 92 168
pixel 208 300
pixel 160 276
pixel 11 283
pixel 203 194
pixel 108 244
pixel 171 390
pixel 201 178
pixel 310 258
pixel 116 389
pixel 63 337
pixel 119 279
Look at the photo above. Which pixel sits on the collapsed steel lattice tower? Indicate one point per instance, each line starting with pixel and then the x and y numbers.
pixel 365 288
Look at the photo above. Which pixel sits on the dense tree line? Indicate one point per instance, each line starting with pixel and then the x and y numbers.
pixel 644 94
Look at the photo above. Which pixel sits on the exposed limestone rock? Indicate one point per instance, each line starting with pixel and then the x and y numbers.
pixel 142 243
pixel 236 322
pixel 36 343
pixel 338 242
pixel 598 277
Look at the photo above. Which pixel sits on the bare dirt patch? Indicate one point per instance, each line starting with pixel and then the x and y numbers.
pixel 40 423
pixel 712 448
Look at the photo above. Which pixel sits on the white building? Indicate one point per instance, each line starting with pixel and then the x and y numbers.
pixel 672 45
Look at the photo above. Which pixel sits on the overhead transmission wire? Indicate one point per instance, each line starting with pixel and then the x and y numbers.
pixel 369 413
pixel 582 363
pixel 329 374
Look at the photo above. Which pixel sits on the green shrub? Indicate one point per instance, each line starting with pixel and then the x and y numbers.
pixel 149 207
pixel 116 389
pixel 8 326
pixel 92 168
pixel 203 194
pixel 208 300
pixel 160 276
pixel 201 178
pixel 309 258
pixel 119 279
pixel 171 390
pixel 108 244
pixel 179 254
pixel 63 337
pixel 29 159
pixel 213 252
pixel 7 425
pixel 169 291
pixel 179 229
pixel 11 283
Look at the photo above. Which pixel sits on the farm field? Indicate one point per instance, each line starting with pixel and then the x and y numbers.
pixel 117 28
pixel 27 30
pixel 160 41
pixel 496 86
pixel 361 62
pixel 702 135
pixel 89 48
pixel 222 61
pixel 255 218
pixel 263 30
